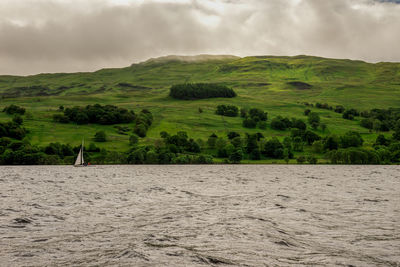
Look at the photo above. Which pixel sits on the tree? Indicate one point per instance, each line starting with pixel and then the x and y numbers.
pixel 237 142
pixel 249 123
pixel 287 142
pixel 258 114
pixel 377 125
pixel 323 127
pixel 278 124
pixel 14 109
pixel 314 120
pixel 311 159
pixel 396 134
pixel 251 143
pixel 232 135
pixel 306 112
pixel 262 125
pixel 367 123
pixel 310 137
pixel 331 142
pixel 227 110
pixel 212 140
pixel 137 156
pixel 133 139
pixel 140 130
pixel 17 119
pixel 350 114
pixel 151 157
pixel 255 154
pixel 301 159
pixel 286 155
pixel 273 148
pixel 382 141
pixel 188 91
pixel 100 136
pixel 81 118
pixel 236 156
pixel 339 109
pixel 243 112
pixel 351 139
pixel 318 146
pixel 298 144
pixel 299 124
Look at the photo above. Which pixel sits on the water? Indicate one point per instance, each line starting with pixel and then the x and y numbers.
pixel 200 215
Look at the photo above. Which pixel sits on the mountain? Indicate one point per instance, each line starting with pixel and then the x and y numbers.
pixel 277 84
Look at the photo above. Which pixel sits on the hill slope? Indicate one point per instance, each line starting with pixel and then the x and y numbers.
pixel 278 85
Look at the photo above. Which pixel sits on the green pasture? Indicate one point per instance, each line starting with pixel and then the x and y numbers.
pixel 260 82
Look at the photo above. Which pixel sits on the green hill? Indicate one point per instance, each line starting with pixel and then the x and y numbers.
pixel 277 85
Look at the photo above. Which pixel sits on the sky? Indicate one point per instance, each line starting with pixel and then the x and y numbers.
pixel 40 36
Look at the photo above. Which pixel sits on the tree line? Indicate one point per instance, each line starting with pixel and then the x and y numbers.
pixel 192 91
pixel 106 115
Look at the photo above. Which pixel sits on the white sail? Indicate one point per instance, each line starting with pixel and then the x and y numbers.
pixel 79 159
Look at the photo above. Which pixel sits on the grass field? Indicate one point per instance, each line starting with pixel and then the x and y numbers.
pixel 261 82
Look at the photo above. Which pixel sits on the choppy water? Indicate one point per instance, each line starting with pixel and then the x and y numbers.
pixel 200 215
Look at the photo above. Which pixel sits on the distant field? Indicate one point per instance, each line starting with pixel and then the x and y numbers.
pixel 274 84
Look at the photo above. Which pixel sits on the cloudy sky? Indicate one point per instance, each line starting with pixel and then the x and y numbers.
pixel 84 35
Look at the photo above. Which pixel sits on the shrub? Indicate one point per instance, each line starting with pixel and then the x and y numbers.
pixel 249 123
pixel 229 110
pixel 60 118
pixel 258 114
pixel 339 109
pixel 100 136
pixel 301 159
pixel 311 159
pixel 133 139
pixel 232 135
pixel 314 120
pixel 262 125
pixel 367 123
pixel 280 123
pixel 243 112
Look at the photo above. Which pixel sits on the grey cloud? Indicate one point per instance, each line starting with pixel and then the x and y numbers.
pixel 57 36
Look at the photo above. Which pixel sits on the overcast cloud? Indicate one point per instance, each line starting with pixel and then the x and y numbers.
pixel 85 35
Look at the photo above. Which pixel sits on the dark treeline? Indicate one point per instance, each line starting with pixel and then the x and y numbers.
pixel 16 152
pixel 97 113
pixel 173 149
pixel 375 119
pixel 381 119
pixel 107 115
pixel 191 91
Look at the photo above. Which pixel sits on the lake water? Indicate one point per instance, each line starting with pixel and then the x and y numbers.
pixel 244 215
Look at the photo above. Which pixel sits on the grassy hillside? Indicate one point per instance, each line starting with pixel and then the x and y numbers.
pixel 278 85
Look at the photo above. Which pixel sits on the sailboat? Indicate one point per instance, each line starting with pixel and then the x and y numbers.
pixel 80 162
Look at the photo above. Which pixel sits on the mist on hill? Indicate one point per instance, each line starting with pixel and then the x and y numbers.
pixel 89 35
